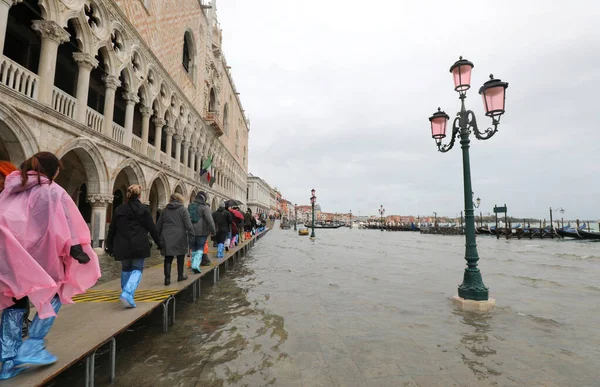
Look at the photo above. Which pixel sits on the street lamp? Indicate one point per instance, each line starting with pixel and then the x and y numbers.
pixel 350 219
pixel 313 200
pixel 381 213
pixel 493 93
pixel 562 211
pixel 295 215
pixel 476 204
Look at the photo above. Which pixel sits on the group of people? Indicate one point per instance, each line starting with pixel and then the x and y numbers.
pixel 46 256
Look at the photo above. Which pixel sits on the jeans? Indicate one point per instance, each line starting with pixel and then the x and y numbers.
pixel 199 242
pixel 132 264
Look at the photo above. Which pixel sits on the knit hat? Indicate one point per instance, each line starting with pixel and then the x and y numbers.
pixel 6 167
pixel 201 196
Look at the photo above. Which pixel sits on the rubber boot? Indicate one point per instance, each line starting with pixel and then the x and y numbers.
pixel 33 350
pixel 196 261
pixel 205 260
pixel 129 289
pixel 124 278
pixel 180 275
pixel 10 341
pixel 220 250
pixel 167 272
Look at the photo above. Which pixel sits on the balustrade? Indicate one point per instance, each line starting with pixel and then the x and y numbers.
pixel 63 102
pixel 94 120
pixel 150 150
pixel 118 132
pixel 136 143
pixel 18 78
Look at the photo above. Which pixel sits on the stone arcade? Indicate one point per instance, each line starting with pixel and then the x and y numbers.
pixel 124 92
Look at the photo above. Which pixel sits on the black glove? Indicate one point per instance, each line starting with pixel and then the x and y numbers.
pixel 78 254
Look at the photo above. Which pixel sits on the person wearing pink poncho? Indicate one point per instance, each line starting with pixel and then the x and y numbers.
pixel 45 257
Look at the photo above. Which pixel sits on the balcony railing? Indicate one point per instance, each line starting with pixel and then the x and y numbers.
pixel 150 150
pixel 214 121
pixel 163 157
pixel 136 143
pixel 18 78
pixel 63 102
pixel 118 133
pixel 94 120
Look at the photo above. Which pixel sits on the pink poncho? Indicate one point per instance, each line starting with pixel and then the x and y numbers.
pixel 38 226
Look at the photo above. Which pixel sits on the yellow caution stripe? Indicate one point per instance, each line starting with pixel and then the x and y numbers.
pixel 113 295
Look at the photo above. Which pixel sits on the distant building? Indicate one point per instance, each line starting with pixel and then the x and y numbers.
pixel 260 196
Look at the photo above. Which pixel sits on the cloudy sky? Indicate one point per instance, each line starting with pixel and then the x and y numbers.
pixel 339 93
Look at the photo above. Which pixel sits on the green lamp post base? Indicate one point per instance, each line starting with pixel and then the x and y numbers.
pixel 472 287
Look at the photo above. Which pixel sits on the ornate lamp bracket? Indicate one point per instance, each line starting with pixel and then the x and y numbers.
pixel 485 135
pixel 455 131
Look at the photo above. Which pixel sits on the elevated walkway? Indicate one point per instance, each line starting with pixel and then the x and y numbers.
pixel 97 317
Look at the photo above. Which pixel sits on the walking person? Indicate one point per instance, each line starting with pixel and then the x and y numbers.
pixel 175 230
pixel 127 241
pixel 203 225
pixel 223 220
pixel 46 258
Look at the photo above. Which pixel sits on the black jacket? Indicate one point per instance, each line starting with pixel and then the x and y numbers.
pixel 128 232
pixel 222 219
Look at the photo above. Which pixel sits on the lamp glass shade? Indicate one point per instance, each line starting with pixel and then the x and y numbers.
pixel 478 201
pixel 312 192
pixel 493 93
pixel 461 74
pixel 438 127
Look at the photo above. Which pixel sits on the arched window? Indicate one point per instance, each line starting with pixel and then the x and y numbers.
pixel 212 102
pixel 226 119
pixel 189 55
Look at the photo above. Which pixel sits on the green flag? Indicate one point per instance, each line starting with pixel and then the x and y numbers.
pixel 207 163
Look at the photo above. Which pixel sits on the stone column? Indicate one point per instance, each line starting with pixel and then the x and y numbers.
pixel 86 63
pixel 99 206
pixel 4 8
pixel 131 99
pixel 194 159
pixel 186 154
pixel 159 123
pixel 178 144
pixel 52 35
pixel 111 83
pixel 169 132
pixel 146 114
pixel 198 161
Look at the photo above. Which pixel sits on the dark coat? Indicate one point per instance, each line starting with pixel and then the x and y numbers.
pixel 175 229
pixel 128 232
pixel 222 219
pixel 206 224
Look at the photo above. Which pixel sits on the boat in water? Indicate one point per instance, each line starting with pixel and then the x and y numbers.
pixel 326 225
pixel 303 231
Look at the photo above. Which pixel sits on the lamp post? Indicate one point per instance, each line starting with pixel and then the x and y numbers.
pixel 313 200
pixel 562 211
pixel 295 215
pixel 435 219
pixel 476 204
pixel 350 219
pixel 493 93
pixel 381 213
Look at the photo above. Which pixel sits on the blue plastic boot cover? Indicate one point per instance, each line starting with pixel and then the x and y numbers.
pixel 220 250
pixel 124 278
pixel 10 341
pixel 129 289
pixel 196 259
pixel 33 351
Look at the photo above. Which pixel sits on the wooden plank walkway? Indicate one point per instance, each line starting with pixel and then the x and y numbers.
pixel 97 317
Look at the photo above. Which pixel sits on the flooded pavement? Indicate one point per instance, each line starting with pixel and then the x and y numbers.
pixel 371 308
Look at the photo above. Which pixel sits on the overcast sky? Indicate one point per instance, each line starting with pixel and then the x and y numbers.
pixel 339 93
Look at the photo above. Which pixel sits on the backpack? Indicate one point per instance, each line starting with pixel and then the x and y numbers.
pixel 194 213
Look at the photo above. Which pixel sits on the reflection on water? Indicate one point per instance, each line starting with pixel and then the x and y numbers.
pixel 366 308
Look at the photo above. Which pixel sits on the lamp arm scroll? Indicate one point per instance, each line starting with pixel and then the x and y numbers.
pixel 455 131
pixel 485 135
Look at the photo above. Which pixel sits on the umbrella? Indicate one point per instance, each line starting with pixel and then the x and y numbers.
pixel 237 214
pixel 232 203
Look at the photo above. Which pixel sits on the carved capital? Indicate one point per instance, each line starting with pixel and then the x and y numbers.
pixel 186 144
pixel 170 130
pixel 146 111
pixel 159 122
pixel 111 82
pixel 177 137
pixel 51 30
pixel 98 200
pixel 131 98
pixel 194 150
pixel 85 60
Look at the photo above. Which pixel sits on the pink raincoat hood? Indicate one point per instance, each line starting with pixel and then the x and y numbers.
pixel 38 225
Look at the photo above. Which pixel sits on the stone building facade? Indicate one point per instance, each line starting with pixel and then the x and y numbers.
pixel 260 196
pixel 124 92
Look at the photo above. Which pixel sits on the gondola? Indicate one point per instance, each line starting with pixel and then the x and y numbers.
pixel 589 234
pixel 569 233
pixel 324 226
